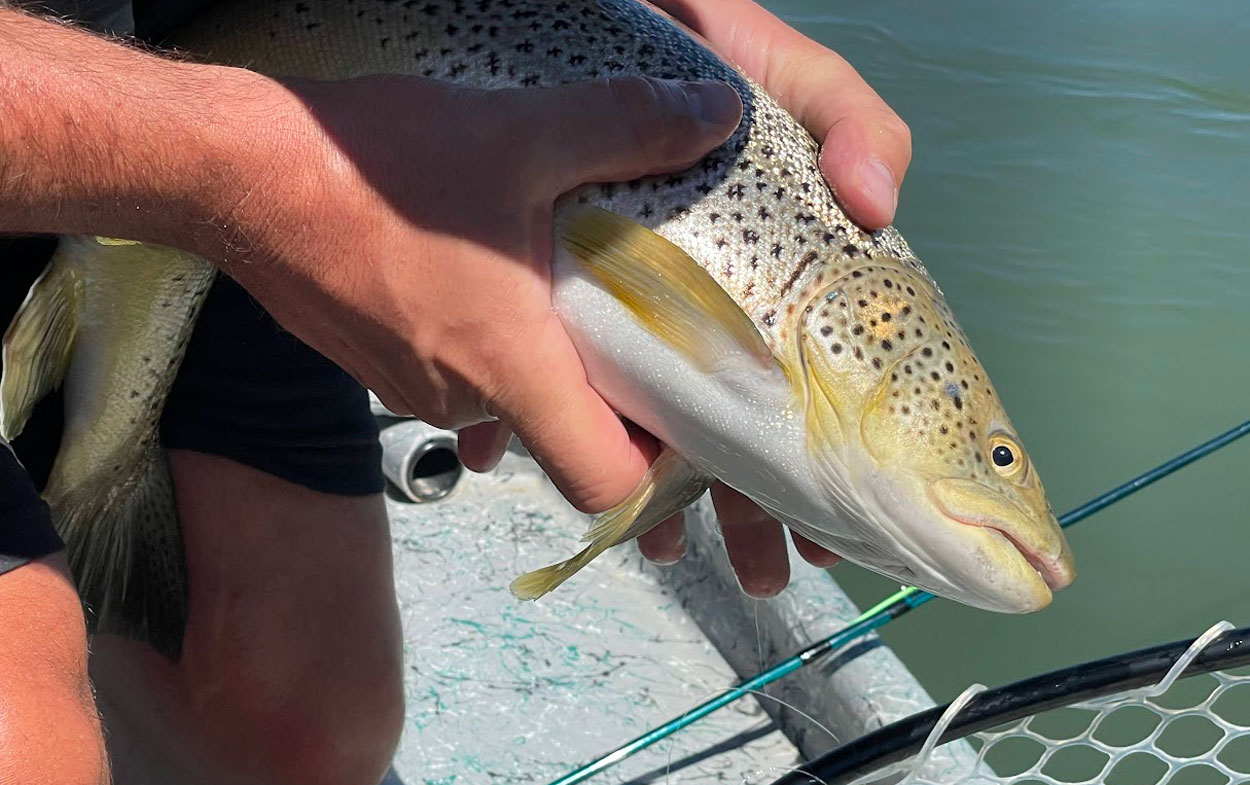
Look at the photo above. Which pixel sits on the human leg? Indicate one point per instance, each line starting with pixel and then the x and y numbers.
pixel 291 666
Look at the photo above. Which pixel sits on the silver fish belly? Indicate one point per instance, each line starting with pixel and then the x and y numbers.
pixel 828 381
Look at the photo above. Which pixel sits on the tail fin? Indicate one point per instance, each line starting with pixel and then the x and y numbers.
pixel 127 558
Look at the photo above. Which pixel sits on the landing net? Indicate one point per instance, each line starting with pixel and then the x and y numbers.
pixel 1177 714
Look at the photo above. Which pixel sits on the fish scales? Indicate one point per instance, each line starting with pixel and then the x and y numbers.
pixel 811 365
pixel 850 316
pixel 756 213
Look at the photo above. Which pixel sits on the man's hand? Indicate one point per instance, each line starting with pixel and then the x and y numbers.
pixel 413 248
pixel 865 146
pixel 865 149
pixel 403 227
pixel 400 226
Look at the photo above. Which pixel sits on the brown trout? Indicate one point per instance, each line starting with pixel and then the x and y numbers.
pixel 732 310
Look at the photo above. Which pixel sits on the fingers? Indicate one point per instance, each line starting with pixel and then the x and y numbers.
pixel 482 446
pixel 619 129
pixel 754 541
pixel 573 434
pixel 864 157
pixel 812 553
pixel 666 543
pixel 866 146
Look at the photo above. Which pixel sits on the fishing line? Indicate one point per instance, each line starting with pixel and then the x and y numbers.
pixel 880 614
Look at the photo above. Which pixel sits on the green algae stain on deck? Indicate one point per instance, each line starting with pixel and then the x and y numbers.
pixel 495 686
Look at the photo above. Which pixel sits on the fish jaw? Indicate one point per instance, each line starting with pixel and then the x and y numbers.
pixel 1041 542
pixel 972 545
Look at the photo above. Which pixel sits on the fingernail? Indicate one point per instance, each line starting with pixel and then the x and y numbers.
pixel 679 553
pixel 715 103
pixel 877 181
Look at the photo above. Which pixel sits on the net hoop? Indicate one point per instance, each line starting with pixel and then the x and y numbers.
pixel 1152 666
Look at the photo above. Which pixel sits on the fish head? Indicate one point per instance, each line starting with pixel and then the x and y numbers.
pixel 908 436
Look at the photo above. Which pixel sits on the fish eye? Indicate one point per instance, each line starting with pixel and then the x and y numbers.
pixel 1006 454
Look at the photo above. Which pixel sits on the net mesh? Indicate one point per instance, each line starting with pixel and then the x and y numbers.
pixel 1182 731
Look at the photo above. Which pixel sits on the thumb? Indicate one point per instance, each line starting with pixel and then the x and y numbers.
pixel 567 427
pixel 612 130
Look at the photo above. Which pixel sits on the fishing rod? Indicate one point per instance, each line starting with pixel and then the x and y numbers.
pixel 882 613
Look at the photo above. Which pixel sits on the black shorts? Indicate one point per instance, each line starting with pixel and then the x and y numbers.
pixel 247 390
pixel 25 523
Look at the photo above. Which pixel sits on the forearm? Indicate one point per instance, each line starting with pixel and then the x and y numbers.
pixel 100 138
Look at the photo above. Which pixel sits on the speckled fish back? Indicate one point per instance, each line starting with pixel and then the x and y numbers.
pixel 756 214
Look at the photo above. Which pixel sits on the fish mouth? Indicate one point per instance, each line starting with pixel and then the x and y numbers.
pixel 1039 541
pixel 1055 571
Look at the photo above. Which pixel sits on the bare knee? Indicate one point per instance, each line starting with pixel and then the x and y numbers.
pixel 293 651
pixel 351 743
pixel 329 723
pixel 49 728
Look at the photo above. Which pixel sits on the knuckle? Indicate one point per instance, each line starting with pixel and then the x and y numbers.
pixel 898 134
pixel 595 494
pixel 636 95
pixel 653 116
pixel 441 418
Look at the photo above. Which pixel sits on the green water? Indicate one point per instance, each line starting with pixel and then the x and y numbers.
pixel 1081 190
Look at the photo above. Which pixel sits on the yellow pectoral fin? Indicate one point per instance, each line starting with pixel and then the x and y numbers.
pixel 667 291
pixel 670 485
pixel 39 343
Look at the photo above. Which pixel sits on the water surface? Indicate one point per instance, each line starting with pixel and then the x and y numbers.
pixel 1080 189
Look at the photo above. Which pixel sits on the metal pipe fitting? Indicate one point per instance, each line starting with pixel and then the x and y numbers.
pixel 421 460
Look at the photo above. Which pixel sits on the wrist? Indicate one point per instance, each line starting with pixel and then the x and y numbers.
pixel 280 182
pixel 100 138
pixel 256 153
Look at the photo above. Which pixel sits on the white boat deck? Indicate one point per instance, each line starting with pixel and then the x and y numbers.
pixel 502 690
